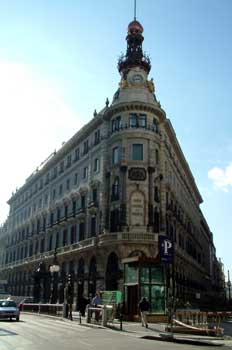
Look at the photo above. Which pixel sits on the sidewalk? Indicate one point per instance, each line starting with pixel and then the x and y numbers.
pixel 156 331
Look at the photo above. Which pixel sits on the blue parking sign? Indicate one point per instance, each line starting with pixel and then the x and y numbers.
pixel 166 249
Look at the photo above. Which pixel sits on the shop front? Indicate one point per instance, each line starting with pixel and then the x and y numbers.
pixel 144 277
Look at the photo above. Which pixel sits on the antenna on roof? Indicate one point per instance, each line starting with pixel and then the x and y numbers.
pixel 135 10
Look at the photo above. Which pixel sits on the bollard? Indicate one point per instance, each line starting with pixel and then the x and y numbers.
pixel 120 317
pixel 65 310
pixel 88 319
pixel 104 316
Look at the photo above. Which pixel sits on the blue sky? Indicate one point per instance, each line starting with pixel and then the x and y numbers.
pixel 58 62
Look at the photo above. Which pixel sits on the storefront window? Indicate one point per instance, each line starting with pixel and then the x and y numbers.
pixel 156 274
pixel 158 299
pixel 145 276
pixel 131 274
pixel 145 292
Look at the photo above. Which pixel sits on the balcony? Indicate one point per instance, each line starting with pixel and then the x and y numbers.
pixel 81 212
pixel 126 127
pixel 146 238
pixel 92 207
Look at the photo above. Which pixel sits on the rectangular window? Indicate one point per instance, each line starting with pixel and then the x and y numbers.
pixel 60 189
pixel 61 170
pixel 82 202
pixel 94 194
pixel 54 172
pixel 133 120
pixel 116 123
pixel 93 226
pixel 157 156
pixel 76 155
pixel 137 152
pixel 65 237
pixel 81 231
pixel 154 125
pixel 40 185
pixel 69 161
pixel 66 212
pixel 75 179
pixel 115 155
pixel 96 165
pixel 57 239
pixel 47 179
pixel 142 121
pixel 85 172
pixel 97 137
pixel 86 147
pixel 74 205
pixel 54 194
pixel 58 214
pixel 73 234
pixel 44 225
pixel 68 184
pixel 51 219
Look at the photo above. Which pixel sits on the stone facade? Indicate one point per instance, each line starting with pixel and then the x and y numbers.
pixel 103 200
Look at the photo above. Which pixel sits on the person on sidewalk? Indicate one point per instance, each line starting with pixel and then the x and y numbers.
pixel 81 305
pixel 144 307
pixel 96 301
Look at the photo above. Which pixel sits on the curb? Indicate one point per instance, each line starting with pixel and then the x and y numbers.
pixel 170 338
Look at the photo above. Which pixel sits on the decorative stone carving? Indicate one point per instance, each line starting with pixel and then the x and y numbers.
pixel 137 174
pixel 137 209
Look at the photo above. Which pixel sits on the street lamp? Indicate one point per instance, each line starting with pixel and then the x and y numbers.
pixel 54 269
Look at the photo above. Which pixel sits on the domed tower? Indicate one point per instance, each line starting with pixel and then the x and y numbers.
pixel 133 201
pixel 134 68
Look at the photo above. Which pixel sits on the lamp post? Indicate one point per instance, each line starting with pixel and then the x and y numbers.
pixel 54 269
pixel 229 285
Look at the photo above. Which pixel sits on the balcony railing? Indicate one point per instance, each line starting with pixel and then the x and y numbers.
pixel 128 236
pixel 125 126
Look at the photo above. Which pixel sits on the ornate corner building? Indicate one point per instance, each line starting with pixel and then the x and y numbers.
pixel 103 200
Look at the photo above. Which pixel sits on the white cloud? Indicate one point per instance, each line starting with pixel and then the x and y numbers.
pixel 222 178
pixel 34 121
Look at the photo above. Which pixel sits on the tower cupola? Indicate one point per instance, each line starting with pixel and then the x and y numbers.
pixel 134 55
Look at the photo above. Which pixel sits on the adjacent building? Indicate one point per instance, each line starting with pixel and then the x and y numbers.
pixel 100 204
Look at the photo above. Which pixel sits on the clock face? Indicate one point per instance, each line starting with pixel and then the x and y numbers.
pixel 137 79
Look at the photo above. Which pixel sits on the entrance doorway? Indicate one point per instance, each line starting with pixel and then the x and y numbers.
pixel 132 300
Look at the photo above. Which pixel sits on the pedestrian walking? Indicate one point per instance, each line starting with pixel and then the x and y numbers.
pixel 81 305
pixel 144 307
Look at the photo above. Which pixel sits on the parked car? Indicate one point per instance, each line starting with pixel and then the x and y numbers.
pixel 9 309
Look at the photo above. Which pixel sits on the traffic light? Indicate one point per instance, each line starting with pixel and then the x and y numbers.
pixel 69 289
pixel 69 279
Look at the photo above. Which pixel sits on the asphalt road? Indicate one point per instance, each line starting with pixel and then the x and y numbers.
pixel 42 333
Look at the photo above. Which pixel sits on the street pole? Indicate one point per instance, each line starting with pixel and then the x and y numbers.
pixel 229 284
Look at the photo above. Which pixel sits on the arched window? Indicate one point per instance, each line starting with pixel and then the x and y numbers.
pixel 115 189
pixel 112 272
pixel 80 278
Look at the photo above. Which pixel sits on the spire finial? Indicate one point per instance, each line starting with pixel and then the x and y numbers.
pixel 135 10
